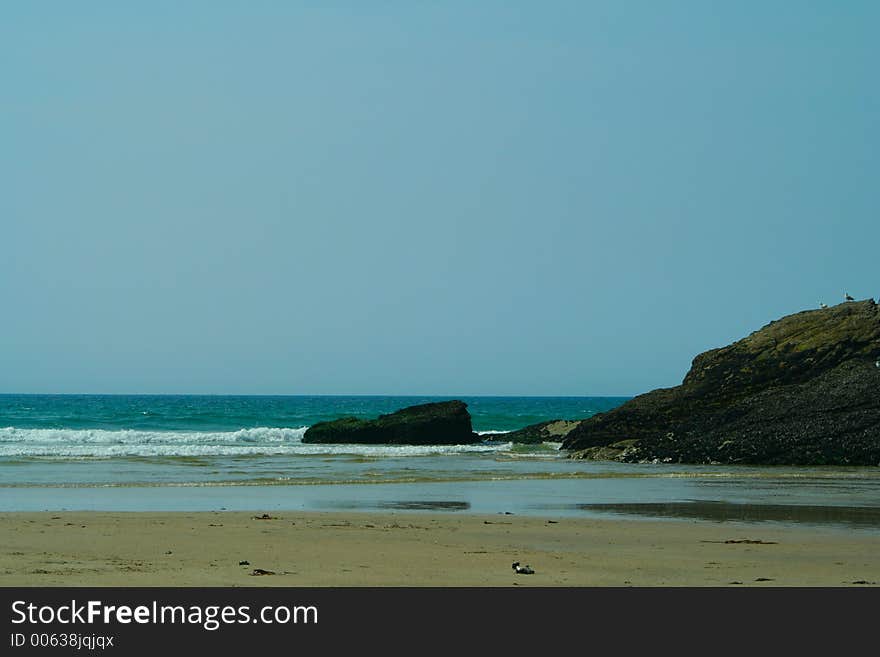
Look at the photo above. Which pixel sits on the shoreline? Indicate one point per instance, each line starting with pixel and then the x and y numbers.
pixel 770 501
pixel 408 548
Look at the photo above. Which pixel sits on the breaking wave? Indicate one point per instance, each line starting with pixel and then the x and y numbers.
pixel 102 443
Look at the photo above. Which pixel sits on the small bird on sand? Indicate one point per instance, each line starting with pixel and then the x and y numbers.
pixel 847 297
pixel 522 570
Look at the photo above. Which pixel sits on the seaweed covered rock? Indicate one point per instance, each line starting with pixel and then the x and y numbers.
pixel 438 423
pixel 552 431
pixel 803 390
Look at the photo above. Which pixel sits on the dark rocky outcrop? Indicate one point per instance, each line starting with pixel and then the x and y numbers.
pixel 438 423
pixel 803 390
pixel 553 431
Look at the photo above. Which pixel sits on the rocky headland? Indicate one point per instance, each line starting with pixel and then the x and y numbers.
pixel 438 423
pixel 803 390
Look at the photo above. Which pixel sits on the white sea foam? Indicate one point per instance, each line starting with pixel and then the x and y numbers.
pixel 102 443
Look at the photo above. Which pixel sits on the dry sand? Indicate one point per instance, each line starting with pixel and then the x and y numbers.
pixel 407 549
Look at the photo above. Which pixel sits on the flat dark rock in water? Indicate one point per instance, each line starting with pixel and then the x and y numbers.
pixel 803 390
pixel 437 423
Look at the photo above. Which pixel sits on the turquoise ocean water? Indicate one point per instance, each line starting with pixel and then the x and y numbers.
pixel 118 452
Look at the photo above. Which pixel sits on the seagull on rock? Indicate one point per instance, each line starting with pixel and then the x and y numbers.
pixel 847 297
pixel 823 305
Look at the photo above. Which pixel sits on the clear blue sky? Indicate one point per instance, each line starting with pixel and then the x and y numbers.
pixel 429 198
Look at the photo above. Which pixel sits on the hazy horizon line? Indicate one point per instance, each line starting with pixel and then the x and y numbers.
pixel 255 394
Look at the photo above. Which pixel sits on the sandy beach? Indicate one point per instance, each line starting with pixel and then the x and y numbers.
pixel 421 549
